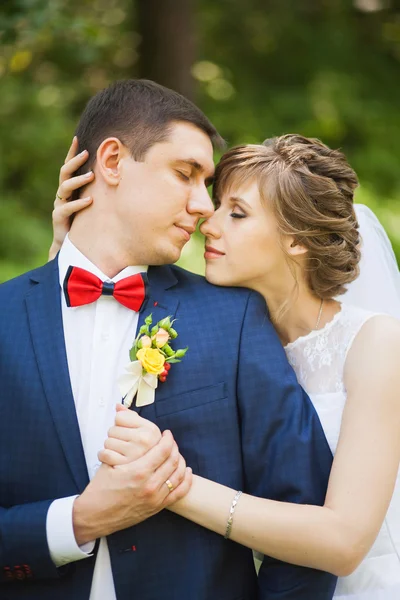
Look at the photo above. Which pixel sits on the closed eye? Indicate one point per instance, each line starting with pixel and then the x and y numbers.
pixel 183 176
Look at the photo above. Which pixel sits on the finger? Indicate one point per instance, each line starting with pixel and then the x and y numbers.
pixel 73 149
pixel 127 418
pixel 121 407
pixel 67 186
pixel 130 418
pixel 124 448
pixel 177 476
pixel 121 433
pixel 181 490
pixel 70 167
pixel 167 469
pixel 111 458
pixel 157 455
pixel 62 213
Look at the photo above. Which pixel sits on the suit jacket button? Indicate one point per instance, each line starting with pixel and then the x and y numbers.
pixel 18 573
pixel 28 571
pixel 8 574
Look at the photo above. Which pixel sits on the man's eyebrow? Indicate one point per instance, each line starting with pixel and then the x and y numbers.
pixel 198 167
pixel 193 163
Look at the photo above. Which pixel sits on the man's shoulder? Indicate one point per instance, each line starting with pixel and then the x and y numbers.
pixel 207 299
pixel 199 284
pixel 22 283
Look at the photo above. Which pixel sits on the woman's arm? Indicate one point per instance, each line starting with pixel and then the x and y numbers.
pixel 337 536
pixel 64 207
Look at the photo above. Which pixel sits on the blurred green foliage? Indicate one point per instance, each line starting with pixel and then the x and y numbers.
pixel 325 68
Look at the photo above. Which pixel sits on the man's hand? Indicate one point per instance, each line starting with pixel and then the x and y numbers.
pixel 133 486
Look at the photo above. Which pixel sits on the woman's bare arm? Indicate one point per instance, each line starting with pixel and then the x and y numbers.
pixel 337 536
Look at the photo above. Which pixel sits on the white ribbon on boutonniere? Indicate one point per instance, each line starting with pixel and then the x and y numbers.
pixel 151 357
pixel 134 382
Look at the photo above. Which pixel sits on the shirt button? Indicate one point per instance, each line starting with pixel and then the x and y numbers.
pixel 105 337
pixel 102 402
pixel 96 467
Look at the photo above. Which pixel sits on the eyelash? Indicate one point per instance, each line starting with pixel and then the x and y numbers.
pixel 183 176
pixel 237 216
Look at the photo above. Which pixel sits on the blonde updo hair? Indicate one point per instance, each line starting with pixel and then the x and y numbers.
pixel 310 188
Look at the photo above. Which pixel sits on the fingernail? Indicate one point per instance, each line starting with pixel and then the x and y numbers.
pixel 88 174
pixel 86 200
pixel 82 153
pixel 74 138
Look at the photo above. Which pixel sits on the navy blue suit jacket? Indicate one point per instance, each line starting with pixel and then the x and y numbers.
pixel 234 407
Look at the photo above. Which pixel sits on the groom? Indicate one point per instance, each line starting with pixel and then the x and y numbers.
pixel 233 404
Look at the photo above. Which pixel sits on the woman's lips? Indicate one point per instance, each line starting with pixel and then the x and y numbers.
pixel 212 253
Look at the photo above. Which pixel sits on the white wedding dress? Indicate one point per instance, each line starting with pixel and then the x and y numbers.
pixel 318 360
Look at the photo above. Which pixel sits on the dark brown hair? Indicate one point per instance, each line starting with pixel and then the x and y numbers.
pixel 311 189
pixel 139 113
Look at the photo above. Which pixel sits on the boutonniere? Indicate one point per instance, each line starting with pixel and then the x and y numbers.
pixel 151 356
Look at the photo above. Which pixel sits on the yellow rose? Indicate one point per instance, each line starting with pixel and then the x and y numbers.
pixel 152 360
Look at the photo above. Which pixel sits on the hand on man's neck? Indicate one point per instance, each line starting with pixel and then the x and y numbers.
pixel 97 241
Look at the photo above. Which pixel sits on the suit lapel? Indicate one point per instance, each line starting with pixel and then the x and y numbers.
pixel 160 303
pixel 43 303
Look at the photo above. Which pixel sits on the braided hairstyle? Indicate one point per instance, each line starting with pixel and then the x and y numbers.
pixel 310 188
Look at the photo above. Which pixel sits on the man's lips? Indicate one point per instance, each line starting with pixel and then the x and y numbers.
pixel 212 253
pixel 186 231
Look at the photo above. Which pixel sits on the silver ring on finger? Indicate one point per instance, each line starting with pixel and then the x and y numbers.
pixel 169 486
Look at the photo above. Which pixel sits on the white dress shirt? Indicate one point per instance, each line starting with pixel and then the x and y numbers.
pixel 98 338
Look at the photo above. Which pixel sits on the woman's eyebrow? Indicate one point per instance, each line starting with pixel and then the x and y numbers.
pixel 239 201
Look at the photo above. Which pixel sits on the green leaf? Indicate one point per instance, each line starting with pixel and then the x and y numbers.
pixel 181 353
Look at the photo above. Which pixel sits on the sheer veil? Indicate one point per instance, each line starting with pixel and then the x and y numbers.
pixel 378 286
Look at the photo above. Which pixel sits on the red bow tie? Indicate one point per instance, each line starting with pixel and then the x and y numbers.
pixel 82 287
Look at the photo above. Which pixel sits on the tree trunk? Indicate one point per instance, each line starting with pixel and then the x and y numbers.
pixel 168 46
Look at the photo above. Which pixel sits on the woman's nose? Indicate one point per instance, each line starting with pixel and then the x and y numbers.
pixel 209 228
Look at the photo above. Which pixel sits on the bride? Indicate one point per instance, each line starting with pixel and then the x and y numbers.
pixel 285 226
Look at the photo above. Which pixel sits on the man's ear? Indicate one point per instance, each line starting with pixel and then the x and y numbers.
pixel 108 159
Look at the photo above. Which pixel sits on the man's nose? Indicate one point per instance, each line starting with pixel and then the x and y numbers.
pixel 200 203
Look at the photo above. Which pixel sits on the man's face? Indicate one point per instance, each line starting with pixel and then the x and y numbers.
pixel 159 201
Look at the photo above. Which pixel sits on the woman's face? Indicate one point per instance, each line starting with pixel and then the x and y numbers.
pixel 243 243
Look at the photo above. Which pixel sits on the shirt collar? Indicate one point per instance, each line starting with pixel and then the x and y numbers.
pixel 70 256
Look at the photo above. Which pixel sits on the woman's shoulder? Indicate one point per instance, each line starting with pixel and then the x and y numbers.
pixel 376 340
pixel 363 322
pixel 371 325
pixel 378 328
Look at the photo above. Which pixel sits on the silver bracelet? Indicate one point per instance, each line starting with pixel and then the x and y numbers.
pixel 230 518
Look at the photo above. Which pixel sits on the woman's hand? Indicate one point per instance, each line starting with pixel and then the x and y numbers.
pixel 64 207
pixel 131 438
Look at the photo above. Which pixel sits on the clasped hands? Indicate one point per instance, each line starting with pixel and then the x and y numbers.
pixel 140 466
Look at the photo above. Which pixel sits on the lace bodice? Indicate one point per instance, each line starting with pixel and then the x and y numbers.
pixel 319 357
